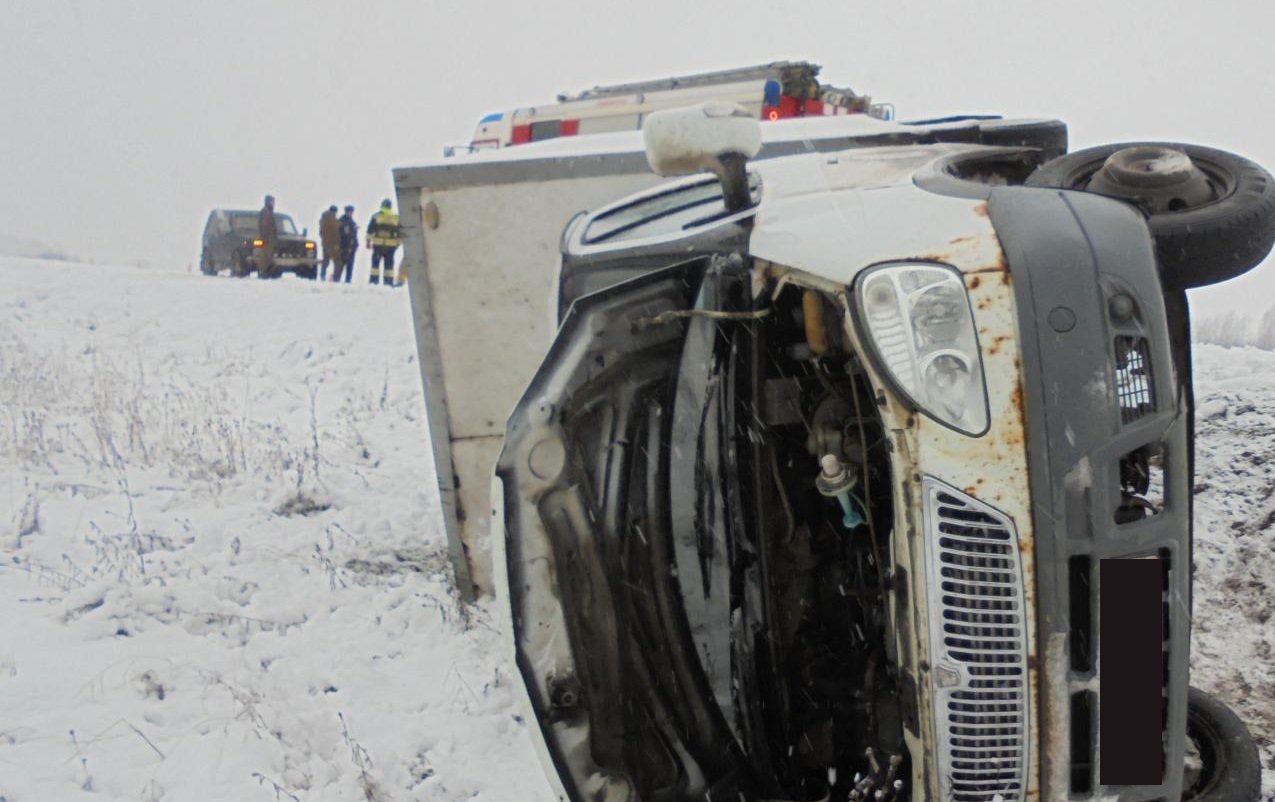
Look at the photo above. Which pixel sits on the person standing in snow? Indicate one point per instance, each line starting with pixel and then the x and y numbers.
pixel 348 233
pixel 383 238
pixel 330 238
pixel 268 235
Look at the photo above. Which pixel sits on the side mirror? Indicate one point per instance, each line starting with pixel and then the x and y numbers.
pixel 717 136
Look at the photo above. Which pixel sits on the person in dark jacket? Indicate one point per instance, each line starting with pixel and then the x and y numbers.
pixel 348 233
pixel 383 238
pixel 268 235
pixel 330 238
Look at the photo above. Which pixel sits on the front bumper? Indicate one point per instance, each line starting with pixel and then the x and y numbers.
pixel 293 262
pixel 1101 384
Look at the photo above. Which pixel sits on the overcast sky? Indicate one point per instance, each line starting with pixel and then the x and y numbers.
pixel 124 122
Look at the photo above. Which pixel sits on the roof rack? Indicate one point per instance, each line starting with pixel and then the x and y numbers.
pixel 786 71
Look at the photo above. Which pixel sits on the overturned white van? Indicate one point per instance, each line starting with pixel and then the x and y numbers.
pixel 855 467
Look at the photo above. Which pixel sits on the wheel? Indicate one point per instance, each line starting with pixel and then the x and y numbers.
pixel 206 265
pixel 310 273
pixel 240 267
pixel 1211 213
pixel 1225 766
pixel 1048 136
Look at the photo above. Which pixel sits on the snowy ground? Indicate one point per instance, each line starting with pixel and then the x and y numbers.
pixel 221 568
pixel 222 575
pixel 1233 645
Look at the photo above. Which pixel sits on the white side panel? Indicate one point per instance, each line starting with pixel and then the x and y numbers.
pixel 607 125
pixel 489 301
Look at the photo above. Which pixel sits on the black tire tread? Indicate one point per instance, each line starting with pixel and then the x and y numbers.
pixel 1200 246
pixel 1238 773
pixel 1048 136
pixel 1231 245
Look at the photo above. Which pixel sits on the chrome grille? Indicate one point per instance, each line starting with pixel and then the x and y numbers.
pixel 978 646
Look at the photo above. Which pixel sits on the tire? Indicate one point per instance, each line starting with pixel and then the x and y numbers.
pixel 1200 243
pixel 206 265
pixel 1231 771
pixel 239 265
pixel 1048 136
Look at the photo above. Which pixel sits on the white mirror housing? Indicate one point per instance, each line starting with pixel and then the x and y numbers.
pixel 694 139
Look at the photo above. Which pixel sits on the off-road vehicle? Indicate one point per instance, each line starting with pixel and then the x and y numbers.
pixel 867 475
pixel 232 242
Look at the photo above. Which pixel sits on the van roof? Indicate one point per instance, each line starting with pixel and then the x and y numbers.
pixel 792 130
pixel 755 72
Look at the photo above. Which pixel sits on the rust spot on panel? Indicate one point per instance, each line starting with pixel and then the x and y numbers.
pixel 959 240
pixel 984 304
pixel 1032 662
pixel 1005 278
pixel 981 209
pixel 970 491
pixel 1014 434
pixel 974 282
pixel 997 343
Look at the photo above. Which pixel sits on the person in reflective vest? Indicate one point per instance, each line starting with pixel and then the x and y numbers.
pixel 383 237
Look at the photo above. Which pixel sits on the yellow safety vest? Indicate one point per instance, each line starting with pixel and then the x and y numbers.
pixel 385 229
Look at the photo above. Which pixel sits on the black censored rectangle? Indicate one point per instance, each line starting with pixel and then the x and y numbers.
pixel 1131 672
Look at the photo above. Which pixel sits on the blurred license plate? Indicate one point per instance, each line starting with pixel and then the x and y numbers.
pixel 1131 671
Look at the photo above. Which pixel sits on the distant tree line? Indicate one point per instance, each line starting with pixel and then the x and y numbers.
pixel 1233 330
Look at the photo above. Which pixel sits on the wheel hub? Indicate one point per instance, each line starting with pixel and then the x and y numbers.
pixel 1163 179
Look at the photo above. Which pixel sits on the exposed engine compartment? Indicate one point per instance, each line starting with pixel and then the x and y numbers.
pixel 717 529
pixel 814 666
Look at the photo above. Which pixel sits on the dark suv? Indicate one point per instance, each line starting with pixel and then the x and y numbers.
pixel 232 242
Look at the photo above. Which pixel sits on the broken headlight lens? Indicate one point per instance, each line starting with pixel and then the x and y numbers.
pixel 917 318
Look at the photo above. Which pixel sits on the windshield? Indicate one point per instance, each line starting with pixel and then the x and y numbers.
pixel 246 224
pixel 669 212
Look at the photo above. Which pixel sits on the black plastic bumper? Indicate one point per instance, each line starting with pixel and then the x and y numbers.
pixel 1100 384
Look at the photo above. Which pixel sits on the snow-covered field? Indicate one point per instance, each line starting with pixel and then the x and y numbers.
pixel 1233 643
pixel 222 575
pixel 222 572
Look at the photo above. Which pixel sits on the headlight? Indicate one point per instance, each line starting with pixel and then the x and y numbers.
pixel 917 318
pixel 309 246
pixel 258 243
